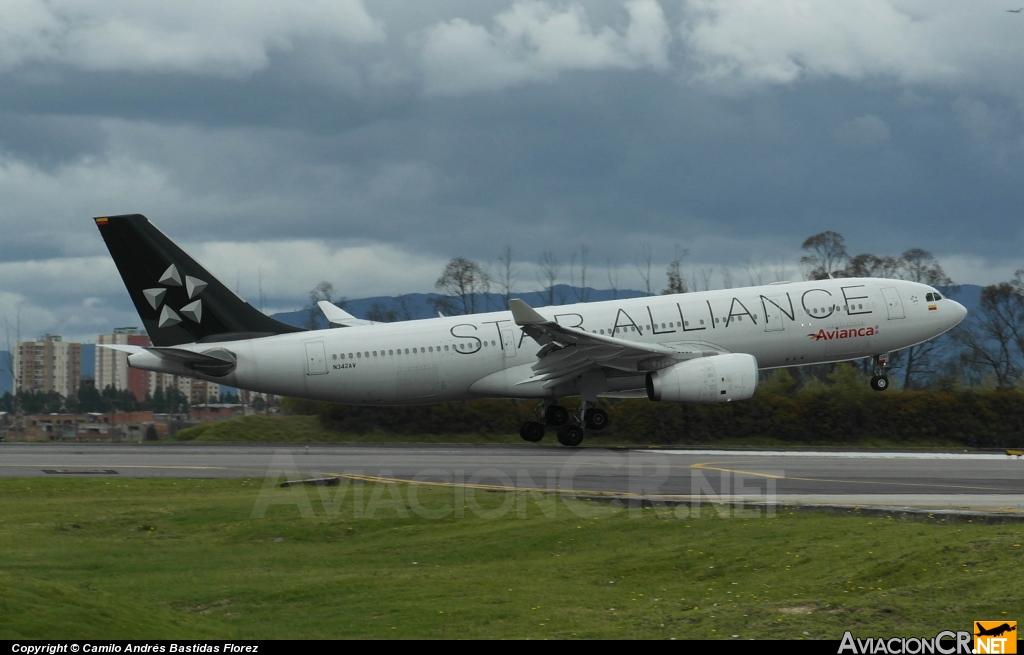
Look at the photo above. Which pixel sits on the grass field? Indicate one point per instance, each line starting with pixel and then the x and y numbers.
pixel 155 558
pixel 308 429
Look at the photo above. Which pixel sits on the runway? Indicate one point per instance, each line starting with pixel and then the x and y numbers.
pixel 970 482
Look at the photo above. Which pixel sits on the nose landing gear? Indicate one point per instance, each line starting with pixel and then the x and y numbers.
pixel 880 381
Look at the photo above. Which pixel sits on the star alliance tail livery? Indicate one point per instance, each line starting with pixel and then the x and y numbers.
pixel 693 347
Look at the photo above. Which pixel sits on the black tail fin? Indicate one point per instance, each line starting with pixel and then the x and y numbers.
pixel 177 299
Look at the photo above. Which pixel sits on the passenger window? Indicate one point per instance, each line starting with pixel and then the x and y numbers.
pixel 406 351
pixel 350 355
pixel 343 355
pixel 359 355
pixel 367 354
pixel 374 353
pixel 334 356
pixel 702 321
pixel 687 323
pixel 446 348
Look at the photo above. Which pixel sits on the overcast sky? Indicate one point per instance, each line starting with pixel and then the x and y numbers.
pixel 368 142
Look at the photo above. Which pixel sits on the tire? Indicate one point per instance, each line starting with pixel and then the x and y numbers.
pixel 532 431
pixel 880 383
pixel 556 416
pixel 596 419
pixel 570 435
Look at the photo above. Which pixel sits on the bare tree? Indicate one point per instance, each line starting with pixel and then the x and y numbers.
pixel 381 313
pixel 644 261
pixel 403 311
pixel 826 252
pixel 921 266
pixel 506 274
pixel 613 277
pixel 726 277
pixel 462 282
pixel 547 276
pixel 780 270
pixel 868 265
pixel 700 278
pixel 322 291
pixel 994 337
pixel 755 271
pixel 581 293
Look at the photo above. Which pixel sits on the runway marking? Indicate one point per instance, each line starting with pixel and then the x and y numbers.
pixel 719 500
pixel 706 466
pixel 839 455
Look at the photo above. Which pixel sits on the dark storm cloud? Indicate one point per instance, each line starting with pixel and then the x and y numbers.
pixel 441 129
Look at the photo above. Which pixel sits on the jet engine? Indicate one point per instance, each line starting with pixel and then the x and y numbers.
pixel 715 379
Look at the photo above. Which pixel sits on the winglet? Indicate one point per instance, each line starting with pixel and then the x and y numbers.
pixel 338 316
pixel 523 314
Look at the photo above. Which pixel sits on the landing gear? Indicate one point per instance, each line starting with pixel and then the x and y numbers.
pixel 570 427
pixel 570 435
pixel 556 415
pixel 532 431
pixel 595 418
pixel 880 382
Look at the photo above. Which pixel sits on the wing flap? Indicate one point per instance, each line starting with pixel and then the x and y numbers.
pixel 567 353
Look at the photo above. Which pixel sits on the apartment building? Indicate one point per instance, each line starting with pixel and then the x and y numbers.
pixel 112 368
pixel 48 364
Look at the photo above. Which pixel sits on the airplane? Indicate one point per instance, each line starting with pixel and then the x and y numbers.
pixel 693 347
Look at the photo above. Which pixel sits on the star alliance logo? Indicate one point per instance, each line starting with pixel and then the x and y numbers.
pixel 193 311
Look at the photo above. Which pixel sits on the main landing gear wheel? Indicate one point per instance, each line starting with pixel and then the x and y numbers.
pixel 570 435
pixel 556 415
pixel 532 431
pixel 880 383
pixel 596 419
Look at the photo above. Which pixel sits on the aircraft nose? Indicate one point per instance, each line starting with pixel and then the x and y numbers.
pixel 959 312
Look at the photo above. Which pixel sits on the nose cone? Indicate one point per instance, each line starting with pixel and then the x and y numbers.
pixel 959 312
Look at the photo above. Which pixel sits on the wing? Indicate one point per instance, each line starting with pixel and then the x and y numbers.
pixel 567 353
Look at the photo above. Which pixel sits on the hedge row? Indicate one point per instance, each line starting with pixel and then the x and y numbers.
pixel 971 418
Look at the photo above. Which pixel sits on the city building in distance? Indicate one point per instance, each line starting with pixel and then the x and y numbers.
pixel 48 364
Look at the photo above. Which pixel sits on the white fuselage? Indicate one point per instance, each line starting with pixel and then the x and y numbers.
pixel 488 355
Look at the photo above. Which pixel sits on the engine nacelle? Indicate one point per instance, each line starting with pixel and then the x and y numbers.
pixel 716 379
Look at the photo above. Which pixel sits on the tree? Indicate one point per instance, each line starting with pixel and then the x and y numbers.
pixel 643 266
pixel 993 338
pixel 582 294
pixel 547 276
pixel 613 278
pixel 380 313
pixel 506 274
pixel 826 251
pixel 921 266
pixel 462 282
pixel 322 291
pixel 674 273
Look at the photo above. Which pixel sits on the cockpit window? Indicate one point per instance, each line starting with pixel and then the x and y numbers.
pixel 938 296
pixel 930 297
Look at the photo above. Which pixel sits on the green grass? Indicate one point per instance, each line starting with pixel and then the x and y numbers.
pixel 308 429
pixel 154 558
